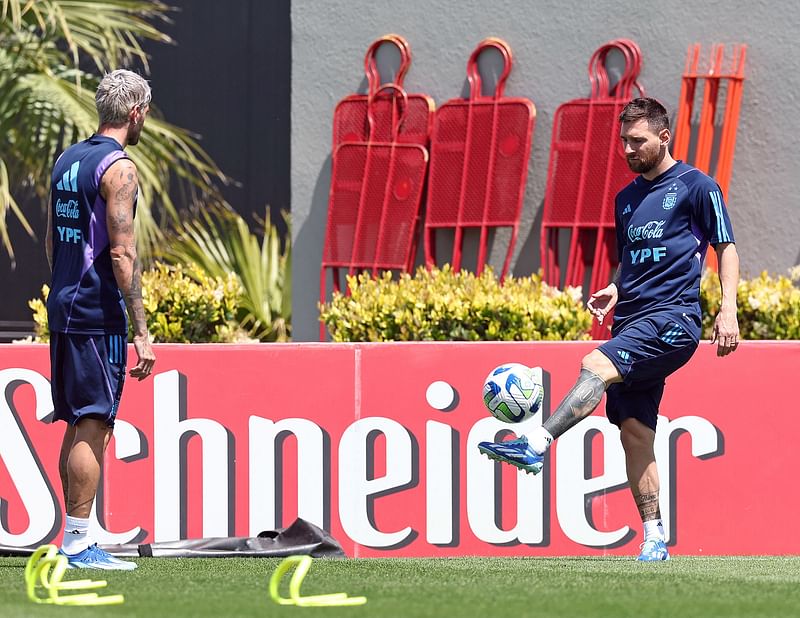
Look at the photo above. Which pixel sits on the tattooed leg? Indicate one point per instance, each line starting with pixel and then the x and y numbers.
pixel 579 403
pixel 648 506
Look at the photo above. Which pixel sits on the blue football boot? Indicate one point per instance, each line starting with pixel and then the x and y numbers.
pixel 653 550
pixel 95 558
pixel 517 453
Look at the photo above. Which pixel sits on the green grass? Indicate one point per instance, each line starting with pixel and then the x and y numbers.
pixel 458 587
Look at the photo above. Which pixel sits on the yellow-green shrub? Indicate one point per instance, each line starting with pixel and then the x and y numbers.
pixel 39 308
pixel 180 308
pixel 768 308
pixel 194 307
pixel 442 305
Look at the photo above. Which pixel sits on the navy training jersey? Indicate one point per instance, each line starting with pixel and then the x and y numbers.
pixel 84 296
pixel 664 227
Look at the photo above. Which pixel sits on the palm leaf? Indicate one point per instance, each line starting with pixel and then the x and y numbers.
pixel 48 103
pixel 107 32
pixel 219 242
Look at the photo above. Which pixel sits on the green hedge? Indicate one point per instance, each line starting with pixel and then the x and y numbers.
pixel 768 307
pixel 442 305
pixel 183 305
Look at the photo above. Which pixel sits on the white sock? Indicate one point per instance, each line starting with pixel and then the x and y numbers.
pixel 76 535
pixel 540 440
pixel 654 529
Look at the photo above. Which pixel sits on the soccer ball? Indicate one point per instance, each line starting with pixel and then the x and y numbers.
pixel 513 392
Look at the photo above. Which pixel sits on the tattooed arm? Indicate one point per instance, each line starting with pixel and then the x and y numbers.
pixel 118 188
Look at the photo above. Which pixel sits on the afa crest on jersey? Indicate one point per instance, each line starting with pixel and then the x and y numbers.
pixel 670 198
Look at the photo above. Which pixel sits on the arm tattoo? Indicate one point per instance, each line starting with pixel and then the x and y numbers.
pixel 648 506
pixel 127 266
pixel 579 403
pixel 136 280
pixel 133 299
pixel 120 222
pixel 126 192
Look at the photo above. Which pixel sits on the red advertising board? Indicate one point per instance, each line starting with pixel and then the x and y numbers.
pixel 377 444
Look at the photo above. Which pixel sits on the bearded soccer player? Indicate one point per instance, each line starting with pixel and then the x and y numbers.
pixel 665 220
pixel 91 249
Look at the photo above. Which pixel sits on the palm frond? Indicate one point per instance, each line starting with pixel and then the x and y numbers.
pixel 48 103
pixel 7 203
pixel 107 32
pixel 219 242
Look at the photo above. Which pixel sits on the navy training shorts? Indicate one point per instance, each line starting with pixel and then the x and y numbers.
pixel 645 353
pixel 87 375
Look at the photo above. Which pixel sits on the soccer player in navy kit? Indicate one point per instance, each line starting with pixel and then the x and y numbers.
pixel 665 220
pixel 91 249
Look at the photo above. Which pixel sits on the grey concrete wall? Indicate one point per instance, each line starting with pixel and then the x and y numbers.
pixel 552 42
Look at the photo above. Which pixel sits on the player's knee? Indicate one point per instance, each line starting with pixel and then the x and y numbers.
pixel 598 363
pixel 92 430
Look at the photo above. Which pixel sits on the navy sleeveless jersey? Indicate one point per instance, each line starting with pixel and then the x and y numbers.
pixel 664 227
pixel 84 296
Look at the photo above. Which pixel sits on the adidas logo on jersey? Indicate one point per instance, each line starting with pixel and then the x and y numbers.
pixel 627 210
pixel 69 181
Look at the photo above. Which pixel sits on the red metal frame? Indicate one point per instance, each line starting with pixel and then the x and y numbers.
pixel 350 118
pixel 712 75
pixel 374 201
pixel 480 148
pixel 587 168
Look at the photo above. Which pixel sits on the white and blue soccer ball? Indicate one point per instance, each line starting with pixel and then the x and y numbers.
pixel 513 392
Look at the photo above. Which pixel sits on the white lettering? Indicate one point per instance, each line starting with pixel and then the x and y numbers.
pixel 266 479
pixel 482 492
pixel 440 468
pixel 23 466
pixel 651 229
pixel 573 498
pixel 357 492
pixel 706 443
pixel 358 488
pixel 170 426
pixel 127 446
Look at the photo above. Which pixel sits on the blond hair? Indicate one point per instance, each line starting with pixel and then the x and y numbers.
pixel 118 93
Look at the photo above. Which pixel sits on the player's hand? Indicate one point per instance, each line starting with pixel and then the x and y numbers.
pixel 726 332
pixel 602 302
pixel 146 357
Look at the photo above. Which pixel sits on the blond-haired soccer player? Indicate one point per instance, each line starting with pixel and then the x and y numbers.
pixel 96 280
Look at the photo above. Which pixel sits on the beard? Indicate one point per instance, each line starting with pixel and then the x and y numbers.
pixel 646 160
pixel 134 133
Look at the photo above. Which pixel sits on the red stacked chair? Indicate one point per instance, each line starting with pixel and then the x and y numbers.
pixel 350 119
pixel 479 162
pixel 587 168
pixel 378 175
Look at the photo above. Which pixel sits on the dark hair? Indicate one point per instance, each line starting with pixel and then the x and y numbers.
pixel 647 109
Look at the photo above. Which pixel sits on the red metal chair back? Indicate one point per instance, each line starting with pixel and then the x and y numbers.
pixel 479 162
pixel 587 169
pixel 350 118
pixel 373 208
